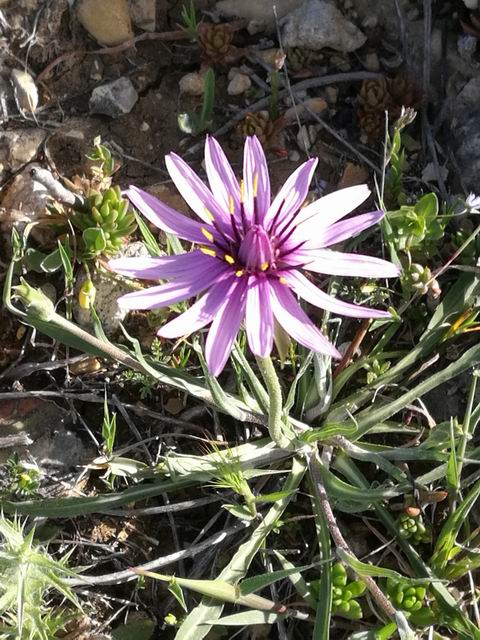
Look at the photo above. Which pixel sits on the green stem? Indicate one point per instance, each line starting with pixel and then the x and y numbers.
pixel 275 413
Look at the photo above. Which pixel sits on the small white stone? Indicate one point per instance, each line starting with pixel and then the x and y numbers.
pixel 294 156
pixel 238 85
pixel 371 62
pixel 331 94
pixel 370 22
pixel 26 91
pixel 192 84
pixel 144 126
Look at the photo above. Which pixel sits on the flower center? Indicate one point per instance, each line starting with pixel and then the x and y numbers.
pixel 256 251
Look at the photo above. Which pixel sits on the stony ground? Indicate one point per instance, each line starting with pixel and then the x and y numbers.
pixel 314 79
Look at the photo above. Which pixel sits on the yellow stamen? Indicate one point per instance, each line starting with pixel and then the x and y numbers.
pixel 229 259
pixel 208 252
pixel 231 205
pixel 208 235
pixel 282 280
pixel 209 214
pixel 239 273
pixel 255 185
pixel 242 191
pixel 264 266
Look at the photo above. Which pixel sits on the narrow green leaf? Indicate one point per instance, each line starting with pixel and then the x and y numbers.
pixel 148 237
pixel 250 585
pixel 247 618
pixel 176 591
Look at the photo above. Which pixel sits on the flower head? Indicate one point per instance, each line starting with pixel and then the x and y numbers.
pixel 250 255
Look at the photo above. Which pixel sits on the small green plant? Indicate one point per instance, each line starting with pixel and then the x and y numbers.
pixel 104 164
pixel 375 369
pixel 194 123
pixel 412 600
pixel 106 223
pixel 29 576
pixel 23 477
pixel 189 18
pixel 345 594
pixel 229 475
pixel 109 429
pixel 394 195
pixel 413 528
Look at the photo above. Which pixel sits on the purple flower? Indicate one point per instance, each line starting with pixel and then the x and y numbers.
pixel 250 254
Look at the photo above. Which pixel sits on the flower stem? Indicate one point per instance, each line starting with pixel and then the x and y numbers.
pixel 275 418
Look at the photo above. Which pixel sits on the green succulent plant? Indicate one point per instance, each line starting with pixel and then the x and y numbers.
pixel 412 600
pixel 413 528
pixel 344 593
pixel 105 223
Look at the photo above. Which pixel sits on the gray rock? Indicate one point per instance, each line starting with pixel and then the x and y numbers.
pixel 260 12
pixel 143 14
pixel 18 147
pixel 465 129
pixel 113 99
pixel 318 24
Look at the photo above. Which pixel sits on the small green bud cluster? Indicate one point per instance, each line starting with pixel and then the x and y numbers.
pixel 413 528
pixel 344 594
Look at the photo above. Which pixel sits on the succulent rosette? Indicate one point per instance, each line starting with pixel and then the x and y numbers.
pixel 250 253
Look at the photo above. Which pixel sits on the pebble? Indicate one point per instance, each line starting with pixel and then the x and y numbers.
pixel 26 92
pixel 113 99
pixel 239 83
pixel 18 147
pixel 318 24
pixel 192 84
pixel 371 62
pixel 294 156
pixel 143 14
pixel 260 11
pixel 144 127
pixel 108 21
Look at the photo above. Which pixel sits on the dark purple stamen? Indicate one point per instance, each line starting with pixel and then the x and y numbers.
pixel 275 217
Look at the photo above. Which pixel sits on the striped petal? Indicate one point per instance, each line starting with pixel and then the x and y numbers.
pixel 160 268
pixel 332 207
pixel 195 193
pixel 164 217
pixel 200 313
pixel 336 263
pixel 339 231
pixel 291 196
pixel 256 179
pixel 176 290
pixel 225 327
pixel 259 317
pixel 312 294
pixel 221 177
pixel 295 321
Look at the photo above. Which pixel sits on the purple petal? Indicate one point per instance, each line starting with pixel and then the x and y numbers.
pixel 295 321
pixel 343 230
pixel 225 327
pixel 255 169
pixel 200 313
pixel 292 195
pixel 337 263
pixel 309 292
pixel 332 207
pixel 221 177
pixel 164 217
pixel 259 317
pixel 175 291
pixel 195 193
pixel 160 268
